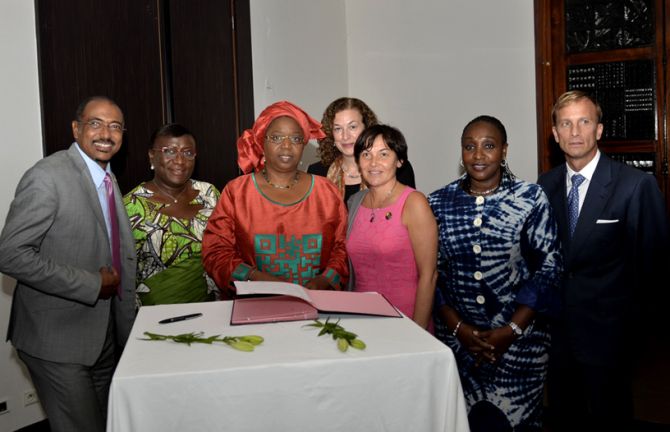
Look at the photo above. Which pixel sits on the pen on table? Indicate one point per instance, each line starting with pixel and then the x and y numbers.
pixel 180 318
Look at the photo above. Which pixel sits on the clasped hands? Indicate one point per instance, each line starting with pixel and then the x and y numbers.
pixel 486 345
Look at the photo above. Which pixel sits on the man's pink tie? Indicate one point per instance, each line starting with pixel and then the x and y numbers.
pixel 114 224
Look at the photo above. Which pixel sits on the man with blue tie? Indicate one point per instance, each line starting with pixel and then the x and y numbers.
pixel 67 242
pixel 614 234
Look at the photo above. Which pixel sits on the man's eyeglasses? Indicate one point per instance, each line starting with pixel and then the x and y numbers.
pixel 278 139
pixel 171 153
pixel 99 124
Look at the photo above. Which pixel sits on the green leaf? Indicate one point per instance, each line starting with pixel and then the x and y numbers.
pixel 211 339
pixel 252 339
pixel 187 338
pixel 358 344
pixel 343 337
pixel 241 345
pixel 154 336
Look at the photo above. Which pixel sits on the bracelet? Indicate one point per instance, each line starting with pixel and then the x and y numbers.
pixel 251 272
pixel 518 331
pixel 458 325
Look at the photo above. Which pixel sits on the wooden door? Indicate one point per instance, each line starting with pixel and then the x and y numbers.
pixel 186 61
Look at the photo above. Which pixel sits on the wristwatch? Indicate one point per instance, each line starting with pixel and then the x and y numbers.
pixel 516 329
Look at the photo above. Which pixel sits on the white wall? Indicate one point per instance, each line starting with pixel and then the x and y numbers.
pixel 21 147
pixel 426 67
pixel 299 54
pixel 429 67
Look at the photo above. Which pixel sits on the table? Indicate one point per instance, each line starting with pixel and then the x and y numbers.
pixel 405 380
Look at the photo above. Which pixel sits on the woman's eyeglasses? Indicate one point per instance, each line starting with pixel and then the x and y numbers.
pixel 278 139
pixel 171 153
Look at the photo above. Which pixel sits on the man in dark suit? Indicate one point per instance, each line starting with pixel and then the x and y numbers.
pixel 613 229
pixel 67 242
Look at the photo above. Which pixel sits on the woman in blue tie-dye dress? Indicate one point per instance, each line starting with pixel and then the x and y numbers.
pixel 498 272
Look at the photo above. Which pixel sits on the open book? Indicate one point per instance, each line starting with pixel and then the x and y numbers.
pixel 291 302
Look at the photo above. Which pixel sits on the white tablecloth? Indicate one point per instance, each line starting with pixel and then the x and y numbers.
pixel 405 380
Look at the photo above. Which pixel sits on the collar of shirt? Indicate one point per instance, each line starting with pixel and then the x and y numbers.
pixel 587 171
pixel 96 170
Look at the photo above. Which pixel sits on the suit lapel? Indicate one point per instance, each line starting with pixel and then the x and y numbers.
pixel 86 183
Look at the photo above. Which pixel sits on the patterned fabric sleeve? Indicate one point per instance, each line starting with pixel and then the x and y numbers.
pixel 220 254
pixel 136 214
pixel 337 267
pixel 208 193
pixel 435 200
pixel 541 251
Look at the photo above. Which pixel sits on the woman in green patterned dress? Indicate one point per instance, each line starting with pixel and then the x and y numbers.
pixel 168 215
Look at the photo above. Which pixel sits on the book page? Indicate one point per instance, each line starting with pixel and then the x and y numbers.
pixel 365 303
pixel 267 287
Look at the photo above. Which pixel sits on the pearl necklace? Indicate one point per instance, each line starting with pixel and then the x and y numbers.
pixel 264 172
pixel 174 199
pixel 388 215
pixel 484 193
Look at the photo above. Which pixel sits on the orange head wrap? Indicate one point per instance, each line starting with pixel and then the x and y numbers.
pixel 250 144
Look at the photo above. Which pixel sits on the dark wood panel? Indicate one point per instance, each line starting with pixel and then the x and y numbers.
pixel 543 88
pixel 161 60
pixel 613 56
pixel 90 47
pixel 203 83
pixel 244 76
pixel 553 62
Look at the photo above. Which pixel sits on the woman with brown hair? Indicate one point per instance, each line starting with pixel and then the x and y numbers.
pixel 392 237
pixel 343 121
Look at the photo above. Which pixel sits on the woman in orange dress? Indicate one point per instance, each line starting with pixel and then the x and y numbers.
pixel 277 223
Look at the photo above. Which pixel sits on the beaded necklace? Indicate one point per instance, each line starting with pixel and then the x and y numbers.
pixel 274 185
pixel 484 193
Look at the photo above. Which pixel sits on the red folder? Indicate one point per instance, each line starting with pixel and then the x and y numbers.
pixel 271 309
pixel 293 302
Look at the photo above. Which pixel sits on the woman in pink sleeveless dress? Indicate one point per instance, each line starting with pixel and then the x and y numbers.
pixel 392 234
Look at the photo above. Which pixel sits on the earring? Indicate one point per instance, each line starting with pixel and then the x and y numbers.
pixel 152 167
pixel 461 163
pixel 503 163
